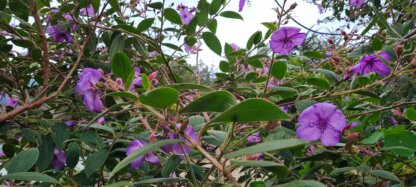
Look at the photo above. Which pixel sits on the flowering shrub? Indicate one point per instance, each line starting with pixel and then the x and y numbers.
pixel 100 92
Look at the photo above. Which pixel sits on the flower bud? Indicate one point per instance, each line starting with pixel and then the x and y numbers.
pixel 353 135
pixel 152 137
pixel 343 33
pixel 399 49
pixel 330 41
pixel 293 6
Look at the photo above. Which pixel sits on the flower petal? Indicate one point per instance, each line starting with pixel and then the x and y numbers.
pixel 310 133
pixel 381 68
pixel 298 38
pixel 337 120
pixel 151 158
pixel 330 137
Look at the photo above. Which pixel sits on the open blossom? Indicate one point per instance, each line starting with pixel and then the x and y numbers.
pixel 59 159
pixel 86 87
pixel 191 49
pixel 322 121
pixel 177 148
pixel 371 63
pixel 70 123
pixel 234 46
pixel 254 138
pixel 152 54
pixel 357 3
pixel 87 11
pixel 149 157
pixel 285 39
pixel 58 35
pixel 241 5
pixel 186 16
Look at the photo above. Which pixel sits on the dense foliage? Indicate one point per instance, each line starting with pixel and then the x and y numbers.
pixel 101 92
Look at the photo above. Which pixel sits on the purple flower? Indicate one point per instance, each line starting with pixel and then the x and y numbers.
pixel 321 121
pixel 241 5
pixel 149 157
pixel 59 159
pixel 87 80
pixel 393 120
pixel 320 8
pixel 369 64
pixel 186 16
pixel 93 101
pixel 11 102
pixel 329 53
pixel 254 138
pixel 101 120
pixel 285 39
pixel 152 54
pixel 177 148
pixel 235 47
pixel 357 3
pixel 285 108
pixel 70 123
pixel 137 81
pixel 87 11
pixel 58 35
pixel 191 49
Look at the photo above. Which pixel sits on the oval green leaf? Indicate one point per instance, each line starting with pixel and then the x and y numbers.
pixel 279 69
pixel 23 161
pixel 231 14
pixel 212 42
pixel 30 176
pixel 173 16
pixel 217 101
pixel 159 97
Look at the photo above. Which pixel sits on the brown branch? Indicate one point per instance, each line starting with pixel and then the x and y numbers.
pixel 44 44
pixel 212 160
pixel 383 108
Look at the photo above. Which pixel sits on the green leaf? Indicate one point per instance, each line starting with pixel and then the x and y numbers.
pixel 117 44
pixel 253 163
pixel 160 97
pixel 303 104
pixel 145 24
pixel 373 138
pixel 145 82
pixel 146 149
pixel 376 44
pixel 331 76
pixel 254 39
pixel 60 134
pixel 115 5
pixel 23 161
pixel 279 69
pixel 337 171
pixel 121 67
pixel 161 180
pixel 384 22
pixel 255 63
pixel 231 14
pixel 72 155
pixel 45 153
pixel 273 145
pixel 318 82
pixel 215 6
pixel 363 50
pixel 251 110
pixel 270 26
pixel 224 66
pixel 202 13
pixel 30 176
pixel 385 175
pixel 23 43
pixel 400 141
pixel 155 5
pixel 127 95
pixel 302 183
pixel 313 54
pixel 212 26
pixel 173 16
pixel 285 92
pixel 188 86
pixel 410 114
pixel 217 101
pixel 170 166
pixel 212 42
pixel 95 161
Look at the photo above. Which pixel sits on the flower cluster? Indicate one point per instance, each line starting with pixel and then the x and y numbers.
pixel 86 86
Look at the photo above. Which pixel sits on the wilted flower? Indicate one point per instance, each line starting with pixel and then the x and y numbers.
pixel 92 100
pixel 186 16
pixel 285 108
pixel 285 39
pixel 369 64
pixel 59 159
pixel 87 11
pixel 149 157
pixel 254 138
pixel 321 121
pixel 191 49
pixel 101 120
pixel 152 54
pixel 234 46
pixel 320 8
pixel 357 3
pixel 58 35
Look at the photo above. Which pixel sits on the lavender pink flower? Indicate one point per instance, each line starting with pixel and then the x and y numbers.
pixel 87 11
pixel 186 16
pixel 285 39
pixel 357 3
pixel 149 157
pixel 70 123
pixel 86 87
pixel 369 64
pixel 58 35
pixel 241 5
pixel 321 121
pixel 12 102
pixel 254 138
pixel 177 148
